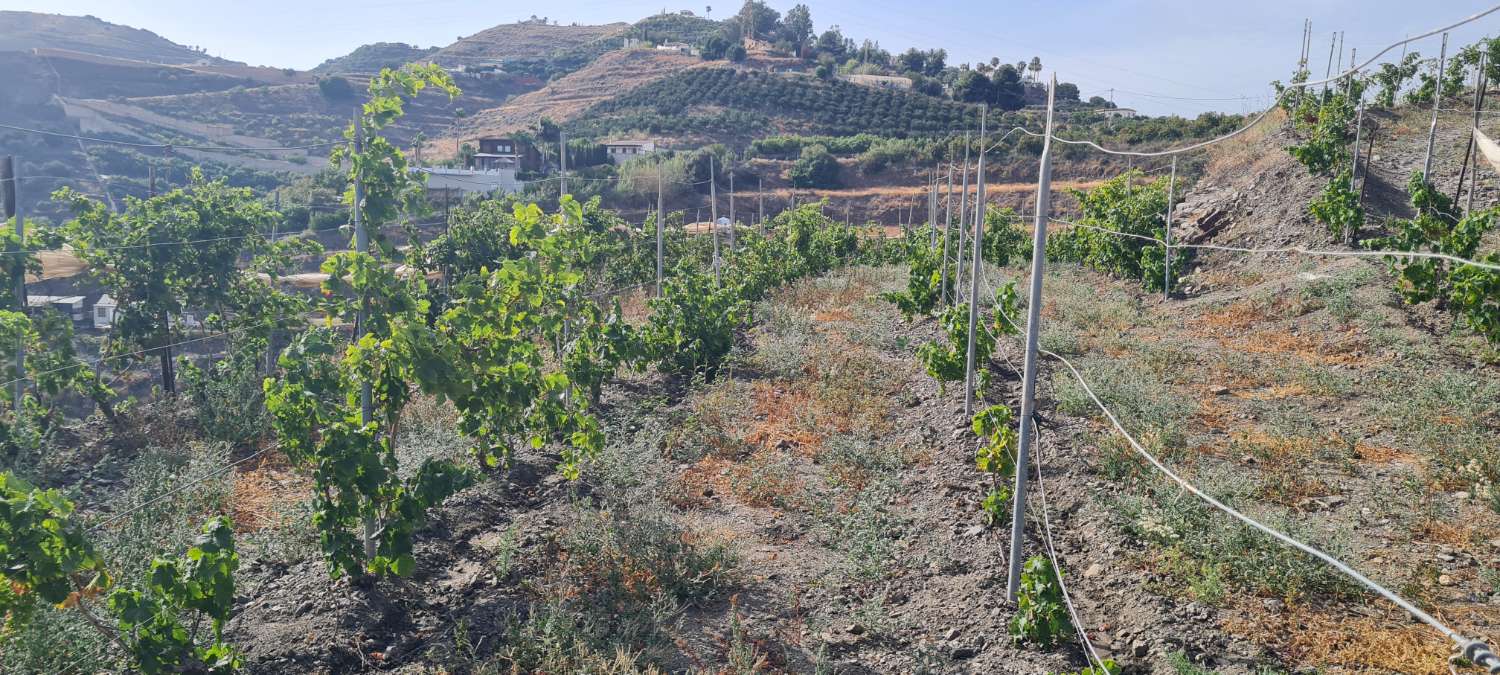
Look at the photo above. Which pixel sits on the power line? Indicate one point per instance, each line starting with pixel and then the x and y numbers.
pixel 1295 85
pixel 170 146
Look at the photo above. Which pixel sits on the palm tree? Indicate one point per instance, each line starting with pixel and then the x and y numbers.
pixel 1035 67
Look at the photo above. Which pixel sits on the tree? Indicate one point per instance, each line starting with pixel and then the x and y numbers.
pixel 912 61
pixel 1035 67
pixel 758 19
pixel 1008 94
pixel 936 62
pixel 736 53
pixel 797 27
pixel 1100 102
pixel 816 168
pixel 973 87
pixel 1067 91
pixel 831 42
pixel 714 48
pixel 165 254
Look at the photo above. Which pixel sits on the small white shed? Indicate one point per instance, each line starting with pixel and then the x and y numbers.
pixel 104 312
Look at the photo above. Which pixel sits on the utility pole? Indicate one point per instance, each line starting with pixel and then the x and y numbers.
pixel 1469 149
pixel 947 228
pixel 1328 71
pixel 963 219
pixel 1437 98
pixel 1033 326
pixel 660 228
pixel 975 243
pixel 932 209
pixel 275 226
pixel 10 191
pixel 562 161
pixel 713 214
pixel 732 221
pixel 1166 288
pixel 1359 128
pixel 1480 86
pixel 1340 63
pixel 760 204
pixel 362 245
pixel 1349 80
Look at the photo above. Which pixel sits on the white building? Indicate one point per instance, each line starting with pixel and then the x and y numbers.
pixel 104 312
pixel 1117 112
pixel 619 151
pixel 678 48
pixel 880 81
pixel 466 181
pixel 70 305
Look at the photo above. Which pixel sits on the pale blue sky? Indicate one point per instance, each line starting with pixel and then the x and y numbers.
pixel 1176 48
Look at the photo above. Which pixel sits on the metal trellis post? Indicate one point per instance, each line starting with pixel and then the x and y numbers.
pixel 1166 289
pixel 1437 98
pixel 1033 325
pixel 976 245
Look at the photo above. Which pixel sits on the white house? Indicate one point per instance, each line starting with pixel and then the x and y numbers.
pixel 619 151
pixel 880 81
pixel 678 48
pixel 1117 112
pixel 466 181
pixel 104 312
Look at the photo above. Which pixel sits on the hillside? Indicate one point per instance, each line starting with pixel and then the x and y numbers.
pixel 696 99
pixel 372 57
pixel 615 73
pixel 24 31
pixel 520 41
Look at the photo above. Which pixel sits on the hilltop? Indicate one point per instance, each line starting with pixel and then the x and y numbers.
pixel 526 39
pixel 24 31
pixel 372 57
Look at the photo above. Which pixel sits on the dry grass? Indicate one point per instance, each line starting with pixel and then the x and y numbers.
pixel 1247 148
pixel 1312 349
pixel 1274 393
pixel 1313 637
pixel 781 411
pixel 260 493
pixel 1235 318
pixel 1381 454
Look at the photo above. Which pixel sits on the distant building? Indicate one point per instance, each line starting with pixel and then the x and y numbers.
pixel 468 181
pixel 619 151
pixel 104 312
pixel 1118 112
pixel 69 305
pixel 506 153
pixel 880 81
pixel 678 47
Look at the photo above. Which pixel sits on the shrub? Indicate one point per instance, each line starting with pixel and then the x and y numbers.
pixel 816 168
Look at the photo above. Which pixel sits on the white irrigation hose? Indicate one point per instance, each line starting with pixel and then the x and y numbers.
pixel 1295 249
pixel 1473 650
pixel 1052 553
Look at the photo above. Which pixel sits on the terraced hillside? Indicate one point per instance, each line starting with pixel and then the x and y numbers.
pixel 614 73
pixel 522 40
pixel 769 103
pixel 24 31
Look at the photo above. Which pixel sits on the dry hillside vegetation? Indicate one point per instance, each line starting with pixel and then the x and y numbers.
pixel 522 40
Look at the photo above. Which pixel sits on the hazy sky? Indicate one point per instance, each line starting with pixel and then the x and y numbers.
pixel 1148 51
